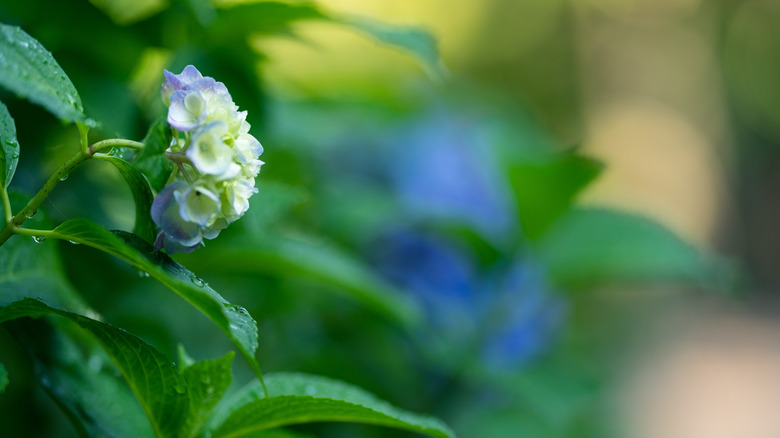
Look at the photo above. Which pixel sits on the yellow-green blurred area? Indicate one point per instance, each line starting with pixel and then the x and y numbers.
pixel 536 218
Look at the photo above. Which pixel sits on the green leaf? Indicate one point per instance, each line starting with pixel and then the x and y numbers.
pixel 593 247
pixel 545 188
pixel 235 23
pixel 417 41
pixel 80 378
pixel 142 196
pixel 9 147
pixel 235 321
pixel 151 160
pixel 300 398
pixel 325 264
pixel 31 269
pixel 3 378
pixel 155 381
pixel 125 12
pixel 29 70
pixel 207 381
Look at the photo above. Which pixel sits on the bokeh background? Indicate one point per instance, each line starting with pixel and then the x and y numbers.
pixel 566 226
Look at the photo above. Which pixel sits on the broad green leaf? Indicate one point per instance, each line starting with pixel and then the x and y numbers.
pixel 9 147
pixel 545 187
pixel 235 321
pixel 81 379
pixel 267 17
pixel 300 398
pixel 590 247
pixel 417 41
pixel 31 269
pixel 207 381
pixel 325 264
pixel 142 196
pixel 3 378
pixel 236 22
pixel 155 381
pixel 125 12
pixel 29 70
pixel 151 159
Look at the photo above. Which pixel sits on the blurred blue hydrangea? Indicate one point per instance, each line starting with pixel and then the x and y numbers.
pixel 449 171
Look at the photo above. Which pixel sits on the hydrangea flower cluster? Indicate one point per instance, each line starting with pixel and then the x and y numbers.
pixel 216 157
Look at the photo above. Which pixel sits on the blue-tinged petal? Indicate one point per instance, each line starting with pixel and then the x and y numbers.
pixel 190 74
pixel 187 111
pixel 219 224
pixel 165 213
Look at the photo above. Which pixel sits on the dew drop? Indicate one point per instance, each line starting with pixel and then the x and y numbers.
pixel 32 214
pixel 38 239
pixel 64 177
pixel 197 281
pixel 143 274
pixel 74 242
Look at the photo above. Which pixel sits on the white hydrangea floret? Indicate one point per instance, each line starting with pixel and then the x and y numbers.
pixel 198 204
pixel 208 151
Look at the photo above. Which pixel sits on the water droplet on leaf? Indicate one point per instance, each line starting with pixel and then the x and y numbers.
pixel 197 281
pixel 38 239
pixel 64 177
pixel 143 274
pixel 32 214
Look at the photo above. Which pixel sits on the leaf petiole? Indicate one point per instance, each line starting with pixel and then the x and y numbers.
pixel 6 205
pixel 34 233
pixel 12 223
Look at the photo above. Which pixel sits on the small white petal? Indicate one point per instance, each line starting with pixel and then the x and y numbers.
pixel 208 151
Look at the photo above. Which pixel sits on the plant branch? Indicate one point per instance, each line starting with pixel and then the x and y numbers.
pixel 6 205
pixel 12 224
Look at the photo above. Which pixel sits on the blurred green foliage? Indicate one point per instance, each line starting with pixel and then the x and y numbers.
pixel 421 246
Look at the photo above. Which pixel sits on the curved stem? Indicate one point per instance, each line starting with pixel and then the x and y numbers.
pixel 104 144
pixel 12 224
pixel 6 205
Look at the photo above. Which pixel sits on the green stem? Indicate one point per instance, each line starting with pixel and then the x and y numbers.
pixel 35 233
pixel 12 224
pixel 99 146
pixel 83 136
pixel 6 205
